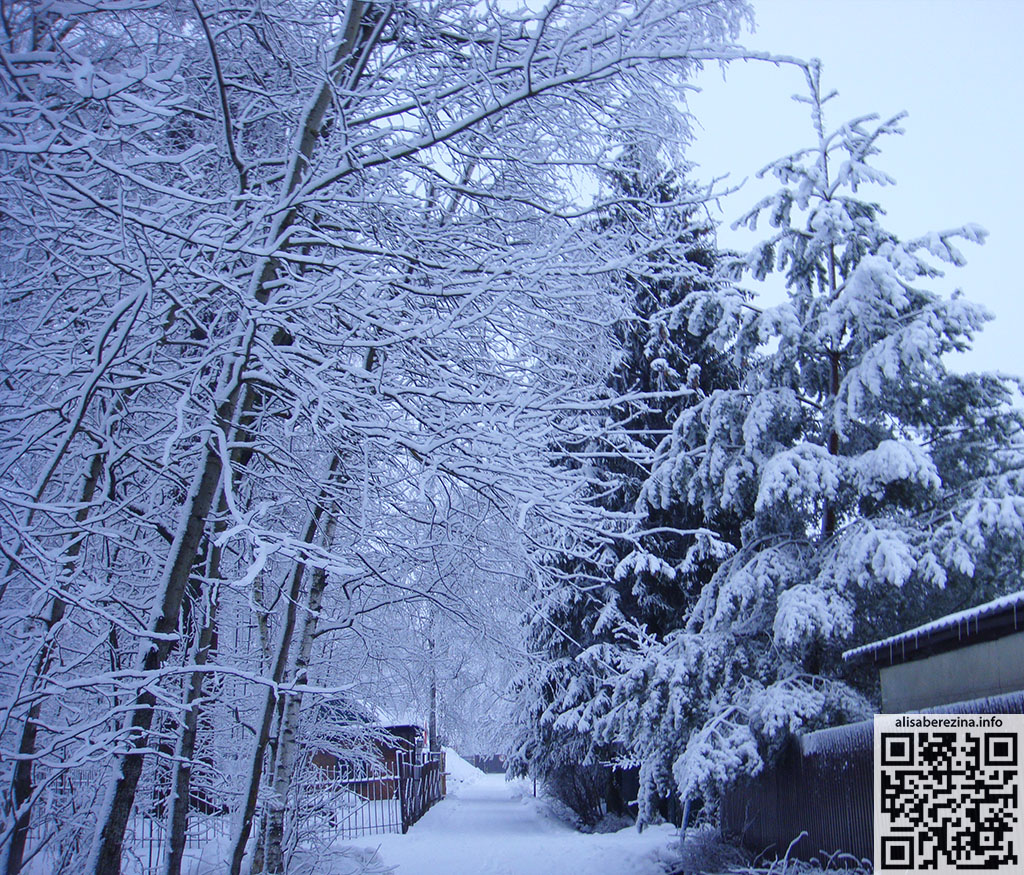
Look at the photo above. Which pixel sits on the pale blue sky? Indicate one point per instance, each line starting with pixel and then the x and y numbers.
pixel 957 67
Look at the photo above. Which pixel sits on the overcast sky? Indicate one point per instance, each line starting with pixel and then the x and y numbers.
pixel 957 68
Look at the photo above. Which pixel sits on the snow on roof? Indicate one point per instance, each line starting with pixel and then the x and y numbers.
pixel 844 738
pixel 851 736
pixel 963 624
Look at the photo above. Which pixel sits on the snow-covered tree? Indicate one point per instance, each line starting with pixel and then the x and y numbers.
pixel 650 574
pixel 268 275
pixel 437 649
pixel 874 487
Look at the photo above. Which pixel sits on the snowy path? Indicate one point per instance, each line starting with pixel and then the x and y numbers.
pixel 489 828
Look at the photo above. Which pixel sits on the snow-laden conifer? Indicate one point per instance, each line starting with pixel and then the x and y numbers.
pixel 874 487
pixel 645 576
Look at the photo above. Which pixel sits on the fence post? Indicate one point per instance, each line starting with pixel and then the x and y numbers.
pixel 402 802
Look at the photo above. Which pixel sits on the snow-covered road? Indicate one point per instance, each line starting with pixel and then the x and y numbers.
pixel 488 827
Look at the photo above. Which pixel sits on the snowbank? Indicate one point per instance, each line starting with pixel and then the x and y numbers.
pixel 460 773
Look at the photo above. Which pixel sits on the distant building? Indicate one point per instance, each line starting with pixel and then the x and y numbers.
pixel 972 654
pixel 404 741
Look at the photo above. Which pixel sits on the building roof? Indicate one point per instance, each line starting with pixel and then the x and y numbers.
pixel 994 619
pixel 393 728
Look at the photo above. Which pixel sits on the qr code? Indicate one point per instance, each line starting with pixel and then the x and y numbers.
pixel 948 793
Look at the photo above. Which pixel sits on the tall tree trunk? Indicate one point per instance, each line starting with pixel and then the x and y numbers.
pixel 23 782
pixel 181 785
pixel 248 811
pixel 828 520
pixel 435 744
pixel 106 854
pixel 288 738
pixel 181 782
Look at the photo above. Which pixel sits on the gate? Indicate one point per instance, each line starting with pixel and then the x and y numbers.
pixel 388 800
pixel 420 785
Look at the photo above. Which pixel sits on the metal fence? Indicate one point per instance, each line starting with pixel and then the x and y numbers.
pixel 824 786
pixel 339 806
pixel 146 844
pixel 420 786
pixel 386 800
pixel 821 787
pixel 336 806
pixel 346 804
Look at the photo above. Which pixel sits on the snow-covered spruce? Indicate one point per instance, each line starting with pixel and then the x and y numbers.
pixel 848 484
pixel 586 594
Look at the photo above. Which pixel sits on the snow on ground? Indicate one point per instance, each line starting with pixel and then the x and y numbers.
pixel 460 773
pixel 487 826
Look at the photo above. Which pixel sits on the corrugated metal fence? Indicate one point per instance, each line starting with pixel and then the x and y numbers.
pixel 823 786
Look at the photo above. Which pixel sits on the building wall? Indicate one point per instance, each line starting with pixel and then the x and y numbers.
pixel 987 669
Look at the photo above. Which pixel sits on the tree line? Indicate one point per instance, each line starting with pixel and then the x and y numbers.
pixel 298 302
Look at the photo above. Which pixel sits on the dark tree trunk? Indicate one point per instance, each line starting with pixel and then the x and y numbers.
pixel 828 520
pixel 435 744
pixel 181 782
pixel 23 782
pixel 107 854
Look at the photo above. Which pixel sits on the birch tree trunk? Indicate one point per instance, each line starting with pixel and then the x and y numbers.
pixel 288 738
pixel 248 811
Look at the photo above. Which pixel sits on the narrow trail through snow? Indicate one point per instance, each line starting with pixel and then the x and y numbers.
pixel 488 827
